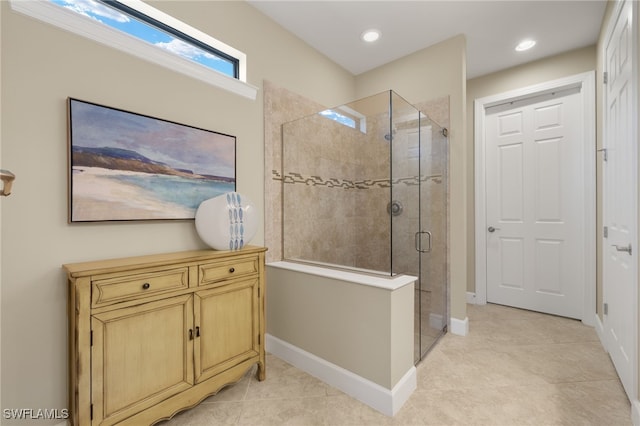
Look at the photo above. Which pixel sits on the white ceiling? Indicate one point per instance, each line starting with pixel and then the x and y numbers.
pixel 492 28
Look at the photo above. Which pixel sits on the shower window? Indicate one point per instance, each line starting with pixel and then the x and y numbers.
pixel 340 118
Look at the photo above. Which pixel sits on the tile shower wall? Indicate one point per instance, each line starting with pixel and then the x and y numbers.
pixel 342 179
pixel 336 187
pixel 319 181
pixel 280 106
pixel 372 196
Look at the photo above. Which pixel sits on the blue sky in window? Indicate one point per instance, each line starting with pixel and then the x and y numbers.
pixel 143 31
pixel 342 119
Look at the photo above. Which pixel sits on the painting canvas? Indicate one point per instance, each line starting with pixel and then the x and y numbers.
pixel 127 166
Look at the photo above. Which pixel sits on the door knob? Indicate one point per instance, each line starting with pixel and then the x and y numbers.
pixel 623 248
pixel 492 229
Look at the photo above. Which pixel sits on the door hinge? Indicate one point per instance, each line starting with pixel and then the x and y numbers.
pixel 605 156
pixel 91 338
pixel 259 339
pixel 605 77
pixel 91 412
pixel 606 232
pixel 605 309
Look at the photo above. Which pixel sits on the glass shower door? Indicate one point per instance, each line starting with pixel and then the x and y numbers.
pixel 431 289
pixel 418 211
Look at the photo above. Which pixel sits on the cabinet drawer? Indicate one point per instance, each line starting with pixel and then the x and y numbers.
pixel 220 271
pixel 126 287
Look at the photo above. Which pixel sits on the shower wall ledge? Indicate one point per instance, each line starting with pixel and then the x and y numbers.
pixel 387 283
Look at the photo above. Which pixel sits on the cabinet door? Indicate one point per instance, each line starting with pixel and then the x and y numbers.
pixel 141 355
pixel 227 327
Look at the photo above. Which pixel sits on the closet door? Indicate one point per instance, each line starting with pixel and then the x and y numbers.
pixel 535 204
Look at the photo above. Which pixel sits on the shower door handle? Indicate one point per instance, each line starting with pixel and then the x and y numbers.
pixel 418 241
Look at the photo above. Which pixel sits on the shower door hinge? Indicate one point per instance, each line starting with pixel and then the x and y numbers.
pixel 606 232
pixel 605 77
pixel 605 309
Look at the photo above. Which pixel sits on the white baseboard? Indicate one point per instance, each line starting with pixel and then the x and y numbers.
pixel 386 401
pixel 635 413
pixel 460 327
pixel 471 298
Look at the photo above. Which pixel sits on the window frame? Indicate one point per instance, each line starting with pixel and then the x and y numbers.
pixel 84 26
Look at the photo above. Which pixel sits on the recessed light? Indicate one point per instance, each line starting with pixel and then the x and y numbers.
pixel 525 45
pixel 370 36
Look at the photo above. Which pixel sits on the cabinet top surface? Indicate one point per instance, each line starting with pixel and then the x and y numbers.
pixel 93 267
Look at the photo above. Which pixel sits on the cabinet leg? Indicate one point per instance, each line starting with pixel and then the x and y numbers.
pixel 262 371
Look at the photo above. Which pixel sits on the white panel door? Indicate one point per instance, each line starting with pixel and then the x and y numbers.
pixel 620 211
pixel 534 203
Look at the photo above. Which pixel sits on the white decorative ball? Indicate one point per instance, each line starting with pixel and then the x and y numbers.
pixel 227 222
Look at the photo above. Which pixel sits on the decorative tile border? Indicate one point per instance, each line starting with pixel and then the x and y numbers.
pixel 297 178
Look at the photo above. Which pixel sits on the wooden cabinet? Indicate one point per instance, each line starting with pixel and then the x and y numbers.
pixel 150 336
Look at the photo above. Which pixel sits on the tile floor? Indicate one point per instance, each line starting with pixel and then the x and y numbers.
pixel 514 368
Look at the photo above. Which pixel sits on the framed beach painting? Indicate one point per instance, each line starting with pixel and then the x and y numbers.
pixel 128 166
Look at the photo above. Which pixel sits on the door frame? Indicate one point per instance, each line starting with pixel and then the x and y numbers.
pixel 588 96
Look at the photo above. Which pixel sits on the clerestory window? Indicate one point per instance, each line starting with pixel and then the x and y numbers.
pixel 347 117
pixel 139 29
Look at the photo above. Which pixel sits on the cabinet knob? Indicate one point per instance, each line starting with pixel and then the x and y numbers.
pixel 232 270
pixel 146 286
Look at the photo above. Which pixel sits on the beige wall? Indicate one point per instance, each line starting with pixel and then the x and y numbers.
pixel 431 73
pixel 41 67
pixel 564 65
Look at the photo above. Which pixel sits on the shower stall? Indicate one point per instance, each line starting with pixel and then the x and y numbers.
pixel 364 188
